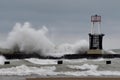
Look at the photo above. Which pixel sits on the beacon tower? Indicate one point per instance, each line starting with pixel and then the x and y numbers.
pixel 95 36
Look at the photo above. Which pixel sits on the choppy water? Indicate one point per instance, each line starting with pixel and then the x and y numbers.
pixel 75 68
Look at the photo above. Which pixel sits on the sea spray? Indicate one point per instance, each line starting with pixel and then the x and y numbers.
pixel 81 46
pixel 29 40
pixel 2 60
pixel 78 47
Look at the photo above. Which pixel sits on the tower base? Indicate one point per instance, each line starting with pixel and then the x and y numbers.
pixel 96 51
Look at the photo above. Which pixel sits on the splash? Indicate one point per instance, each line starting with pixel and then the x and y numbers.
pixel 66 48
pixel 2 60
pixel 27 39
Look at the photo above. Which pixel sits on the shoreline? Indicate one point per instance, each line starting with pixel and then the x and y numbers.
pixel 76 78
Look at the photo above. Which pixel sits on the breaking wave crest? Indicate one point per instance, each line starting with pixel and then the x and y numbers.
pixel 90 70
pixel 27 39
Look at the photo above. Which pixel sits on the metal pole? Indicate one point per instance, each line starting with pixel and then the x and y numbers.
pixel 92 26
pixel 99 27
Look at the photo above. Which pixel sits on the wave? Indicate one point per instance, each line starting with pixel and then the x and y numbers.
pixel 27 39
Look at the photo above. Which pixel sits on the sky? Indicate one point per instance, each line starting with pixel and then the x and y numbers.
pixel 67 20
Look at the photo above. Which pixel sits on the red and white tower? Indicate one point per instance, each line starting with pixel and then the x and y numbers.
pixel 95 36
pixel 96 24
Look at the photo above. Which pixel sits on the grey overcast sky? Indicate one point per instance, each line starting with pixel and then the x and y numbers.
pixel 67 20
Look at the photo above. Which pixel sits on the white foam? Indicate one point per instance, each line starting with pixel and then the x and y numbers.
pixel 75 61
pixel 112 52
pixel 99 59
pixel 41 61
pixel 85 66
pixel 51 71
pixel 66 48
pixel 92 71
pixel 25 70
pixel 2 60
pixel 81 46
pixel 27 39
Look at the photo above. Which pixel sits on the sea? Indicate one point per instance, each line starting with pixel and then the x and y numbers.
pixel 20 69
